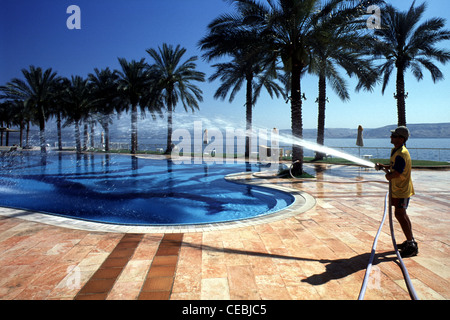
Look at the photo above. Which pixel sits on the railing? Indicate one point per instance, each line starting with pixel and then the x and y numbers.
pixel 432 154
pixel 119 146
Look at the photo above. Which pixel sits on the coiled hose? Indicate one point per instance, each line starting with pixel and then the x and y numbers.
pixel 372 254
pixel 409 285
pixel 387 205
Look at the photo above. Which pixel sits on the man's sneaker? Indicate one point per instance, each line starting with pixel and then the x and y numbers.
pixel 402 246
pixel 409 250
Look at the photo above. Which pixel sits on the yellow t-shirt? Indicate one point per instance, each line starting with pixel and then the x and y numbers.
pixel 402 187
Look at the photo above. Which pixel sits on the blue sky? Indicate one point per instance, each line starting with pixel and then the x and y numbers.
pixel 35 33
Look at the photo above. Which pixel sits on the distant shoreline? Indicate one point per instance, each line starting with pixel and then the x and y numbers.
pixel 418 131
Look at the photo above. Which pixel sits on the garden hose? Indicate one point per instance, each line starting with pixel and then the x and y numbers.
pixel 372 254
pixel 387 205
pixel 412 291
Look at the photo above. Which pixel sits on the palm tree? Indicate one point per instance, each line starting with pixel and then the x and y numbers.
pixel 59 117
pixel 174 82
pixel 251 63
pixel 234 74
pixel 289 25
pixel 5 119
pixel 104 87
pixel 78 102
pixel 405 44
pixel 13 113
pixel 133 85
pixel 37 92
pixel 337 42
pixel 58 108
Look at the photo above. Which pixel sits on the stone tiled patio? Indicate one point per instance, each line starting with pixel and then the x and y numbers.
pixel 321 253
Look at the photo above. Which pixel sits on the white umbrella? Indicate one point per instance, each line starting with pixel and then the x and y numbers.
pixel 359 139
pixel 205 137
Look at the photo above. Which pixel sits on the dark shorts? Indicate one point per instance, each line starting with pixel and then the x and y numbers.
pixel 400 203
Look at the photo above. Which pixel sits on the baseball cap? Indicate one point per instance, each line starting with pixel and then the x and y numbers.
pixel 402 131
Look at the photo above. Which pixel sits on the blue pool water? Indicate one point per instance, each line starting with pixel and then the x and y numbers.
pixel 134 191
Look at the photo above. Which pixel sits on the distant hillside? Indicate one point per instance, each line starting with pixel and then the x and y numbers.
pixel 424 130
pixel 433 130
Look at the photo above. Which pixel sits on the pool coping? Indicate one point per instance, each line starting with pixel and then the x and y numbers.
pixel 302 202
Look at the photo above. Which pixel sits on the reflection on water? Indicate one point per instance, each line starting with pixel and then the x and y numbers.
pixel 131 190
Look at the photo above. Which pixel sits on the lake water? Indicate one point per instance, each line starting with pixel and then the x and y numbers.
pixel 420 149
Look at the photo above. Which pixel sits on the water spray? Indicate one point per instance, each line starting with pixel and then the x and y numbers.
pixel 320 148
pixel 289 139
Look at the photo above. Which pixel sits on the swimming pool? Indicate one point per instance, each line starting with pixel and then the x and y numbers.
pixel 127 190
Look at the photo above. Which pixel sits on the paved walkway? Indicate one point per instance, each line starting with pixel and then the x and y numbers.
pixel 318 254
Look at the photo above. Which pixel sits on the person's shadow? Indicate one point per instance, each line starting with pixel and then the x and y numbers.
pixel 340 268
pixel 334 269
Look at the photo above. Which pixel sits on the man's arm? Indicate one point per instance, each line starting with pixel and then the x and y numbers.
pixel 392 175
pixel 396 171
pixel 380 166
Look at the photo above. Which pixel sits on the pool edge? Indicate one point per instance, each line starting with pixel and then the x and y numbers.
pixel 302 203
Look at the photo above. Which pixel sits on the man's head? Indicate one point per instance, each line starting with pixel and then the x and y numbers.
pixel 400 135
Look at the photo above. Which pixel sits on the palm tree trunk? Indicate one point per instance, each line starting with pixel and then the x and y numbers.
pixel 58 126
pixel 106 127
pixel 1 134
pixel 248 115
pixel 77 136
pixel 92 135
pixel 22 126
pixel 401 104
pixel 85 135
pixel 134 133
pixel 104 122
pixel 169 127
pixel 321 115
pixel 42 129
pixel 296 121
pixel 27 135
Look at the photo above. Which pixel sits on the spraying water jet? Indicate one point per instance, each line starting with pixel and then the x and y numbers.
pixel 258 137
pixel 326 150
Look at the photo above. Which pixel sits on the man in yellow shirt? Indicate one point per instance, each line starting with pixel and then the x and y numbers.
pixel 399 174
